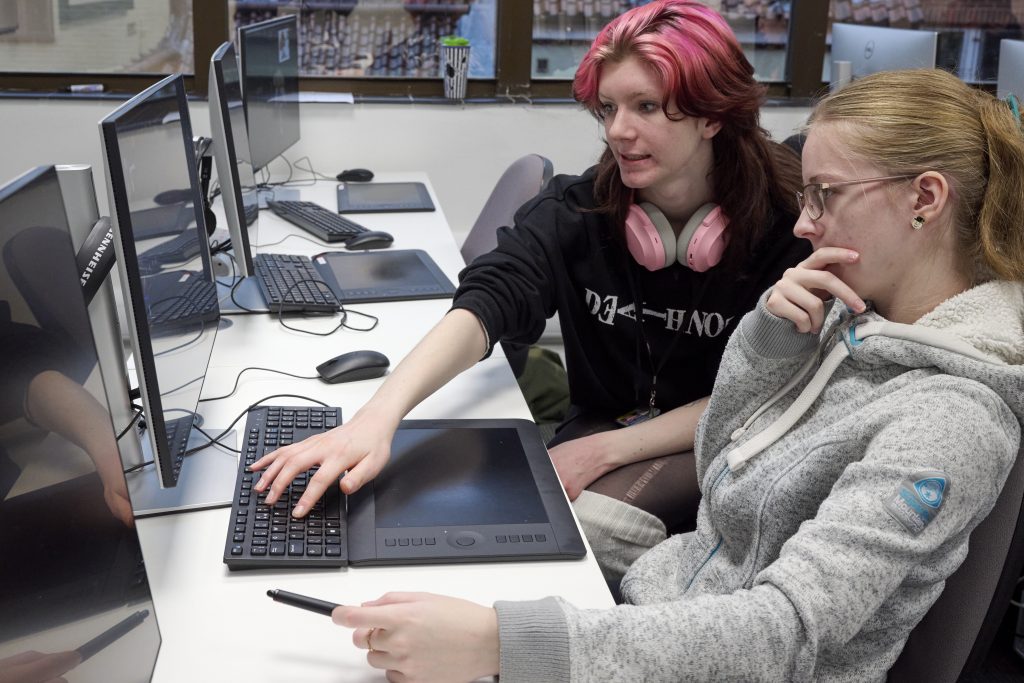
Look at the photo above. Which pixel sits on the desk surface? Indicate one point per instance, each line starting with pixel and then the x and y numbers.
pixel 219 625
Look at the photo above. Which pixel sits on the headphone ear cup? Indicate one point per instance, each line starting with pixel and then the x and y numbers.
pixel 703 239
pixel 649 236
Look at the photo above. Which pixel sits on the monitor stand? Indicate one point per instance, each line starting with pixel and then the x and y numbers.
pixel 280 194
pixel 207 480
pixel 247 294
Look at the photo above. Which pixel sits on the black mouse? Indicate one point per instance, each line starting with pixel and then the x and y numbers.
pixel 371 239
pixel 356 175
pixel 352 366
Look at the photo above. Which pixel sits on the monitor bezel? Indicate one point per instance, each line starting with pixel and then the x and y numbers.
pixel 225 155
pixel 291 21
pixel 131 277
pixel 1011 52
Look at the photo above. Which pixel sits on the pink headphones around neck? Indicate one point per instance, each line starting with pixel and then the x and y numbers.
pixel 654 245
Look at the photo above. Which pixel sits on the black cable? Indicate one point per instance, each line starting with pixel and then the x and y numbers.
pixel 248 311
pixel 213 442
pixel 376 321
pixel 136 468
pixel 179 388
pixel 319 243
pixel 216 439
pixel 239 377
pixel 316 175
pixel 135 418
pixel 319 284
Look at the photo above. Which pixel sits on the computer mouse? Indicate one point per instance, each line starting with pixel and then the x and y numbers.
pixel 371 239
pixel 352 366
pixel 355 175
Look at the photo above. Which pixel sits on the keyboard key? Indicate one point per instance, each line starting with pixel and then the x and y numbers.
pixel 273 538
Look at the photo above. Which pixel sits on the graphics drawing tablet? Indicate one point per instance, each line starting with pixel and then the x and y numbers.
pixel 463 491
pixel 383 275
pixel 383 198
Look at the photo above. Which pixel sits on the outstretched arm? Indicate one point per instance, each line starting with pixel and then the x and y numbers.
pixel 362 445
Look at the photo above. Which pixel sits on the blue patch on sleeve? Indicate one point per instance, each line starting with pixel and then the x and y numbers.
pixel 918 499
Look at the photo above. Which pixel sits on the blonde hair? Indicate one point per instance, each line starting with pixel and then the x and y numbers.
pixel 909 122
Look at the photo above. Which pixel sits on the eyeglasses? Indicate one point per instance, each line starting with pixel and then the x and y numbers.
pixel 812 199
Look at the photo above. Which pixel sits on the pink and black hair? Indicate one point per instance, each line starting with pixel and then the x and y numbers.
pixel 694 54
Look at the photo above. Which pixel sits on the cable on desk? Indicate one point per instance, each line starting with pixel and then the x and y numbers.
pixel 319 243
pixel 238 377
pixel 216 439
pixel 316 174
pixel 319 285
pixel 179 388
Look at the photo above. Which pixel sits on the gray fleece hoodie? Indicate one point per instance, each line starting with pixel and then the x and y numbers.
pixel 831 518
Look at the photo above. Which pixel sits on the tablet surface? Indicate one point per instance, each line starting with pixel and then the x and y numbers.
pixel 383 275
pixel 463 491
pixel 383 198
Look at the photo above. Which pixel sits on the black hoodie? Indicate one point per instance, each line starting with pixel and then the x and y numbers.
pixel 563 257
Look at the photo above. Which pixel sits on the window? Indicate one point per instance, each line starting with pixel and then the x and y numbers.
pixel 969 30
pixel 97 36
pixel 519 48
pixel 564 29
pixel 380 38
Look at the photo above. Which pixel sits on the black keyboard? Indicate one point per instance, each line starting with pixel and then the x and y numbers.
pixel 313 218
pixel 291 283
pixel 179 305
pixel 261 535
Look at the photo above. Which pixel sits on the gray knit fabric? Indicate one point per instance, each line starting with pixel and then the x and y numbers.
pixel 618 532
pixel 797 571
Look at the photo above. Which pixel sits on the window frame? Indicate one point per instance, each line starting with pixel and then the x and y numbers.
pixel 512 82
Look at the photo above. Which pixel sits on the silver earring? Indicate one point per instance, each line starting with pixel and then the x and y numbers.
pixel 917 223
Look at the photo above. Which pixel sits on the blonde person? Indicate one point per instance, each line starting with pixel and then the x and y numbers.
pixel 863 421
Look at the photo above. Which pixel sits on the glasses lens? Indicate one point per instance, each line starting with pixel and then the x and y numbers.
pixel 814 201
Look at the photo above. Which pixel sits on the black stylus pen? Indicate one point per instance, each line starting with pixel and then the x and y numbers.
pixel 303 601
pixel 111 634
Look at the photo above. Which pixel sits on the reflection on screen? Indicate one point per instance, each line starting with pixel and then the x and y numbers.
pixel 174 298
pixel 454 477
pixel 73 590
pixel 270 71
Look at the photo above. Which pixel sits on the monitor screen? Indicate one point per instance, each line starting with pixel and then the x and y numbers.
pixel 870 49
pixel 270 86
pixel 1011 68
pixel 235 173
pixel 168 280
pixel 74 598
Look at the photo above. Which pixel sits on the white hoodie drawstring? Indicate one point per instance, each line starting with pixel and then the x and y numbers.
pixel 840 352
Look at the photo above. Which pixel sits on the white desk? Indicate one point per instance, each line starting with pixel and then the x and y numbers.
pixel 219 625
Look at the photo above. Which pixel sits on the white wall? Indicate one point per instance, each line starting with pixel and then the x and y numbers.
pixel 464 149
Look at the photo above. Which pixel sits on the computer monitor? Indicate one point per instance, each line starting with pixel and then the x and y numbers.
pixel 235 174
pixel 270 85
pixel 173 309
pixel 870 49
pixel 1011 68
pixel 72 575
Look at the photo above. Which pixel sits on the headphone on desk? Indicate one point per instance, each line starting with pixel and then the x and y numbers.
pixel 654 244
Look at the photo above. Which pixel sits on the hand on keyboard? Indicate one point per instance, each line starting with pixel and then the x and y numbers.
pixel 361 446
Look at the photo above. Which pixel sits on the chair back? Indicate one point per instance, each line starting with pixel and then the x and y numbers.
pixel 520 182
pixel 955 636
